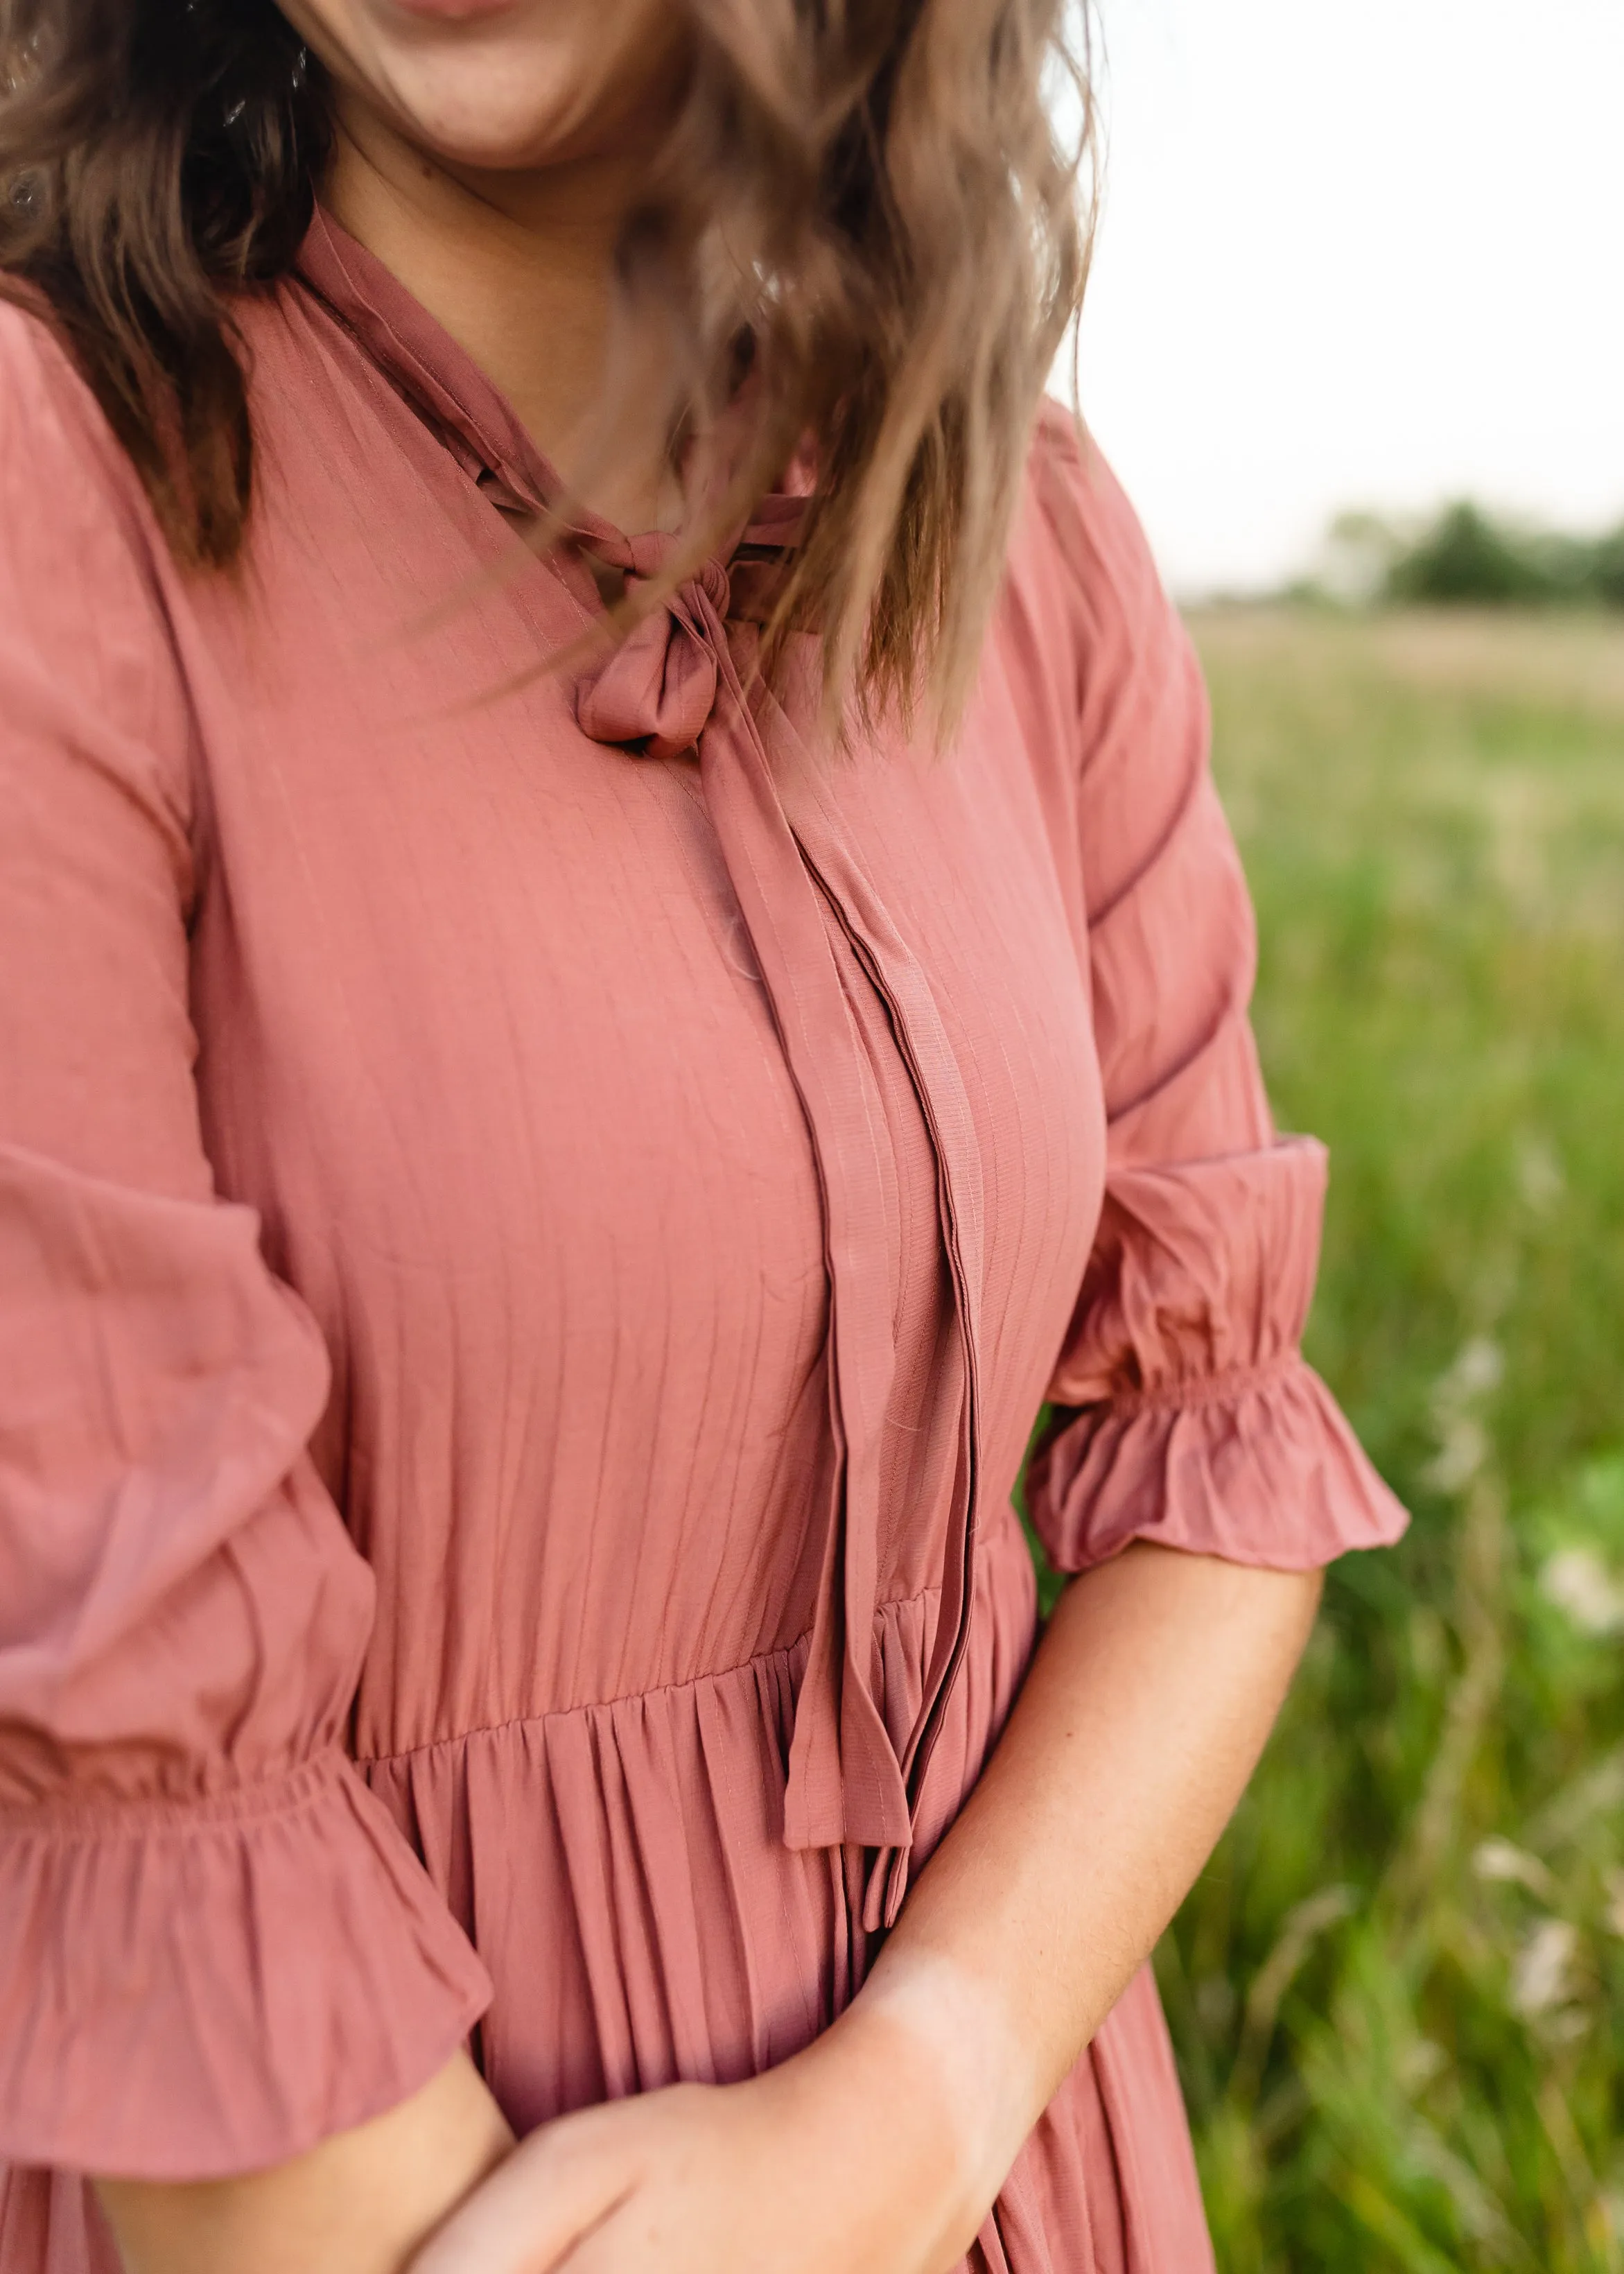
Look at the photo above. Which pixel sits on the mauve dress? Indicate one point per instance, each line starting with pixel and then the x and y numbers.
pixel 530 1253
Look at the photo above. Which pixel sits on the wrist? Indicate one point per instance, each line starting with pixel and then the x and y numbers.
pixel 928 2041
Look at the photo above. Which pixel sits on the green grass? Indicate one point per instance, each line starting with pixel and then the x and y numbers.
pixel 1398 1992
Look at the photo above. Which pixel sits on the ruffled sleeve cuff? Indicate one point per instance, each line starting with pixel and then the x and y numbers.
pixel 1185 1413
pixel 188 1991
pixel 1261 1470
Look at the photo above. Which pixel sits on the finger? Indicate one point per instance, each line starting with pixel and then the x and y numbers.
pixel 637 2236
pixel 609 2248
pixel 551 2193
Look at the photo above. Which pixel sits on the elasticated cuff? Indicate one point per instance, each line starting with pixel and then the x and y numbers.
pixel 1260 1468
pixel 188 1991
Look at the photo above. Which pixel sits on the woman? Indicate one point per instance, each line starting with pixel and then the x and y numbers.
pixel 543 1183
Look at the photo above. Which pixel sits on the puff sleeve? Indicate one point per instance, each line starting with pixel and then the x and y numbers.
pixel 1185 1413
pixel 215 1946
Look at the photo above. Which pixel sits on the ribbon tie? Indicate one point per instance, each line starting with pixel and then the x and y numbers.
pixel 672 684
pixel 658 687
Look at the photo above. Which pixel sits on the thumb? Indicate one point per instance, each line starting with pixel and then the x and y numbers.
pixel 554 2189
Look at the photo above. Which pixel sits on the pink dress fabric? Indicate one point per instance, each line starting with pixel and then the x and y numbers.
pixel 536 1217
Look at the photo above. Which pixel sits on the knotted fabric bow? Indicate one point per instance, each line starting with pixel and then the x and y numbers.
pixel 657 688
pixel 673 683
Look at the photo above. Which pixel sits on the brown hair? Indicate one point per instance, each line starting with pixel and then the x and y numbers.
pixel 865 202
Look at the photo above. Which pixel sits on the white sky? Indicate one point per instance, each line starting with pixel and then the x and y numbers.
pixel 1357 252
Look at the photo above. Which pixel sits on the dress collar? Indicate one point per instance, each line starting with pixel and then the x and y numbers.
pixel 448 389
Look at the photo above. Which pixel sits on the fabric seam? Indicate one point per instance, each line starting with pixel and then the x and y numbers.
pixel 1194 1391
pixel 627 1697
pixel 307 1781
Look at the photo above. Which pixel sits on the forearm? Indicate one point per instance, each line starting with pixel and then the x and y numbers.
pixel 359 2204
pixel 1144 1713
pixel 1138 1725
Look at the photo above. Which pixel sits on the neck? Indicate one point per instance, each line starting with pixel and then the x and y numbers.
pixel 518 268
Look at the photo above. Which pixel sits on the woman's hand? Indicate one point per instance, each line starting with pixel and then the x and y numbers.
pixel 877 2150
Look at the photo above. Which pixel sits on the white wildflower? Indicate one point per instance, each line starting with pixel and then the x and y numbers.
pixel 1502 1859
pixel 1463 1442
pixel 1539 1175
pixel 1578 1581
pixel 1542 1972
pixel 1476 1371
pixel 1463 1449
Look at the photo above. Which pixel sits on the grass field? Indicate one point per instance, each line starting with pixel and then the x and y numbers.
pixel 1398 1993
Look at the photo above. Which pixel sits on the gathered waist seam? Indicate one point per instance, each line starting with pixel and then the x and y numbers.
pixel 984 1541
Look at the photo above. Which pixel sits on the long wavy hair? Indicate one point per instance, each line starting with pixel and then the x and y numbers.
pixel 867 206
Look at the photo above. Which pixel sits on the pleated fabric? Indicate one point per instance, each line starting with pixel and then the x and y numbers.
pixel 538 1208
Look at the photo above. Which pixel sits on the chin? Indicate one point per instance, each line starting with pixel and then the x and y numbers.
pixel 497 84
pixel 501 122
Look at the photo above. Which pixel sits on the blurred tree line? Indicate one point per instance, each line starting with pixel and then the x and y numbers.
pixel 1468 558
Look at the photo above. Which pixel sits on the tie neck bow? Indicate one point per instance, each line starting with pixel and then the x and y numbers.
pixel 657 688
pixel 858 1756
